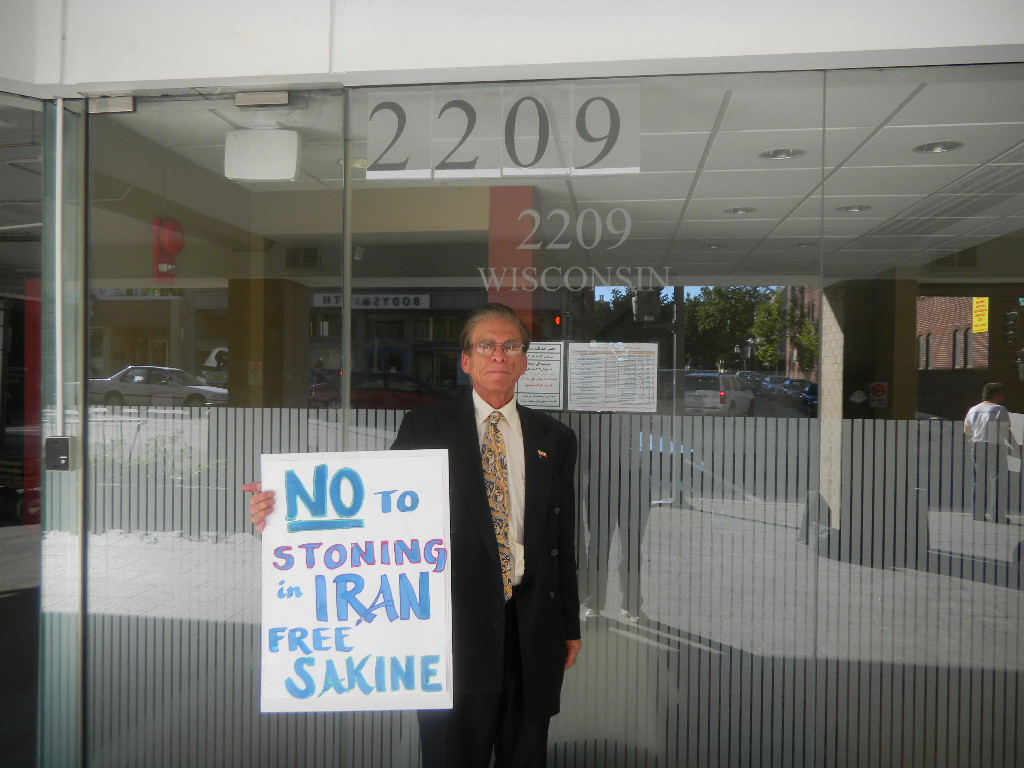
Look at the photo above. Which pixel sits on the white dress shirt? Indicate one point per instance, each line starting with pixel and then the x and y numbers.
pixel 512 434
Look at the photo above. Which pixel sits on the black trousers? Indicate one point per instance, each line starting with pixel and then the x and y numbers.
pixel 481 724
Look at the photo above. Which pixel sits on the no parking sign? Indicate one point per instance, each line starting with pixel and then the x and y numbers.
pixel 878 394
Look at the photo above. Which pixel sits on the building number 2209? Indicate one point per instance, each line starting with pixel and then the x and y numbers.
pixel 527 137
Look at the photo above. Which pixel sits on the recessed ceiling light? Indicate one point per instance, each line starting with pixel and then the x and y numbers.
pixel 739 211
pixel 802 245
pixel 933 147
pixel 712 246
pixel 853 208
pixel 781 154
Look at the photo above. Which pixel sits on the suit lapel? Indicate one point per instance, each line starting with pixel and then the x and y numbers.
pixel 539 453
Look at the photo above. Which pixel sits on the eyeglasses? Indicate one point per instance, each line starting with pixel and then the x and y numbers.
pixel 511 348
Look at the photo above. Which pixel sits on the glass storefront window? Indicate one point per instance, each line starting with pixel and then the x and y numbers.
pixel 764 302
pixel 21 268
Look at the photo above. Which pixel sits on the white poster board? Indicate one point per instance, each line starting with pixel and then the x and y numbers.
pixel 613 376
pixel 541 385
pixel 356 582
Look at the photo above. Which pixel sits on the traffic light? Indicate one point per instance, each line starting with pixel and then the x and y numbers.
pixel 646 306
pixel 1011 327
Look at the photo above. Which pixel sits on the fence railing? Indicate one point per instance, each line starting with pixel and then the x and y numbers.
pixel 703 643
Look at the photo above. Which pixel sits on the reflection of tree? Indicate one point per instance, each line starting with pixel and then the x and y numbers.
pixel 806 342
pixel 777 320
pixel 770 329
pixel 718 320
pixel 613 321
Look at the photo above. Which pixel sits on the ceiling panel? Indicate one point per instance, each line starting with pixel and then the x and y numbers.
pixel 766 208
pixel 840 228
pixel 678 105
pixel 779 260
pixel 1001 227
pixel 769 101
pixel 740 150
pixel 864 98
pixel 716 229
pixel 748 184
pixel 894 145
pixel 645 186
pixel 672 151
pixel 904 180
pixel 968 99
pixel 857 255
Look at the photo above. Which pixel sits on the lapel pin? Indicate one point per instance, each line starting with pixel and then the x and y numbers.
pixel 542 454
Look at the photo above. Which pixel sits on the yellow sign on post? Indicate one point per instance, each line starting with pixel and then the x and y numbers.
pixel 980 322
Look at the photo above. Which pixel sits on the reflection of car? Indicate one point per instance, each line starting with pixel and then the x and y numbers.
pixel 749 378
pixel 155 385
pixel 770 385
pixel 376 391
pixel 214 370
pixel 809 399
pixel 713 394
pixel 790 390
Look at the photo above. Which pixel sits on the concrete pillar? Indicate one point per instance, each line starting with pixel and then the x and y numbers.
pixel 895 347
pixel 268 343
pixel 830 400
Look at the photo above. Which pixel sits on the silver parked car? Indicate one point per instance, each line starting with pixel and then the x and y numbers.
pixel 716 394
pixel 155 385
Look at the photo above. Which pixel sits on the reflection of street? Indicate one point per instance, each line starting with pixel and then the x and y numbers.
pixel 740 577
pixel 764 406
pixel 958 533
pixel 743 620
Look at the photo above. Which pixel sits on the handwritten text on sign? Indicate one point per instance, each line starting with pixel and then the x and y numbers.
pixel 356 589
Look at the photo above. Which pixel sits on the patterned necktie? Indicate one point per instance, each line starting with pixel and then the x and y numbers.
pixel 496 479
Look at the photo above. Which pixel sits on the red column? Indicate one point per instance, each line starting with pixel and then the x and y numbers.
pixel 507 230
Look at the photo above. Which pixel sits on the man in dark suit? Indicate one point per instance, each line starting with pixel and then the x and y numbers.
pixel 515 603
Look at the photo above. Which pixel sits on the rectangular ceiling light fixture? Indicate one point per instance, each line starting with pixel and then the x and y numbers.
pixel 261 154
pixel 262 99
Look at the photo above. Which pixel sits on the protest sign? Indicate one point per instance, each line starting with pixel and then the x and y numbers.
pixel 356 585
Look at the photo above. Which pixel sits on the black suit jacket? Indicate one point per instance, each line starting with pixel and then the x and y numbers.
pixel 547 600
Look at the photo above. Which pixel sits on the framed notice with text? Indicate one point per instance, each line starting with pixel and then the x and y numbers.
pixel 541 385
pixel 356 582
pixel 613 376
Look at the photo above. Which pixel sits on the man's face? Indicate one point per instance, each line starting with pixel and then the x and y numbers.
pixel 494 376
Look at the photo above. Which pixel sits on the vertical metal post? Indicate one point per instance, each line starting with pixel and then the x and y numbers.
pixel 58 262
pixel 346 277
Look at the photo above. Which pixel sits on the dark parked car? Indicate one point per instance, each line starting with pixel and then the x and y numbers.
pixel 789 392
pixel 770 385
pixel 394 391
pixel 809 399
